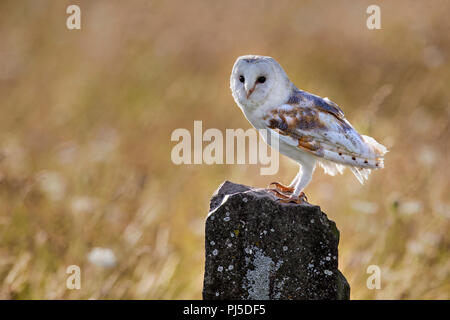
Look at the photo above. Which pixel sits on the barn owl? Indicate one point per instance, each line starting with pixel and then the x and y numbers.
pixel 310 129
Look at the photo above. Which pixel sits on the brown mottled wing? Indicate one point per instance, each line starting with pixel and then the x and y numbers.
pixel 323 104
pixel 297 126
pixel 320 130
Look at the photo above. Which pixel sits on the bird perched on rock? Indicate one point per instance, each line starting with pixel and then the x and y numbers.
pixel 310 129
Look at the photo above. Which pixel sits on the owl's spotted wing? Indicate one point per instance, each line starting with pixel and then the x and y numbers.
pixel 299 97
pixel 318 126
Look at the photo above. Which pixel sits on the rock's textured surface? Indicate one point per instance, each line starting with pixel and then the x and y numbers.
pixel 259 248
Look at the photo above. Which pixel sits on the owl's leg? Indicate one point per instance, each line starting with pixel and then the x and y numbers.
pixel 297 177
pixel 298 196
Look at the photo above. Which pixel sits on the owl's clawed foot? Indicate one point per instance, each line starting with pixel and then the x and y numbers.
pixel 282 188
pixel 278 194
pixel 301 199
pixel 284 198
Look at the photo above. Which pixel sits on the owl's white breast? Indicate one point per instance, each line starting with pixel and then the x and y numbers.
pixel 256 112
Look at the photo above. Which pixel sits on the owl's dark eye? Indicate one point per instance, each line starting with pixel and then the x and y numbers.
pixel 241 79
pixel 261 79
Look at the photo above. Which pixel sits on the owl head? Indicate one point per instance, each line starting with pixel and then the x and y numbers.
pixel 259 80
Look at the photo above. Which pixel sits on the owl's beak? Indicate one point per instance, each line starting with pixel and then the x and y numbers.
pixel 250 91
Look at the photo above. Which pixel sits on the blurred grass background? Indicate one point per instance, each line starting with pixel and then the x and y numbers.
pixel 86 118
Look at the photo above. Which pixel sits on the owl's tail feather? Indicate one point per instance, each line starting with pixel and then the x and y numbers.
pixel 361 174
pixel 333 160
pixel 370 156
pixel 333 168
pixel 330 167
pixel 377 148
pixel 353 160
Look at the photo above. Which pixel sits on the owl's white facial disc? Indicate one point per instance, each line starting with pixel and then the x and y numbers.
pixel 257 80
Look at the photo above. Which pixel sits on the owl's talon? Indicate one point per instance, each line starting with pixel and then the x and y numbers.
pixel 282 188
pixel 301 199
pixel 279 194
pixel 283 198
pixel 303 196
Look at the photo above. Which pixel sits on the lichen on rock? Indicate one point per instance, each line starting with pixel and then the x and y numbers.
pixel 265 249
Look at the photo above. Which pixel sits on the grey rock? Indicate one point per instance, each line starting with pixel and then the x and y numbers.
pixel 259 248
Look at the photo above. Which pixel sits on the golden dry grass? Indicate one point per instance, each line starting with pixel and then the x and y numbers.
pixel 86 118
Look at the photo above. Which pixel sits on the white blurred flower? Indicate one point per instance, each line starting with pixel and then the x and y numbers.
pixel 427 156
pixel 415 246
pixel 82 204
pixel 53 184
pixel 422 245
pixel 410 207
pixel 365 206
pixel 102 257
